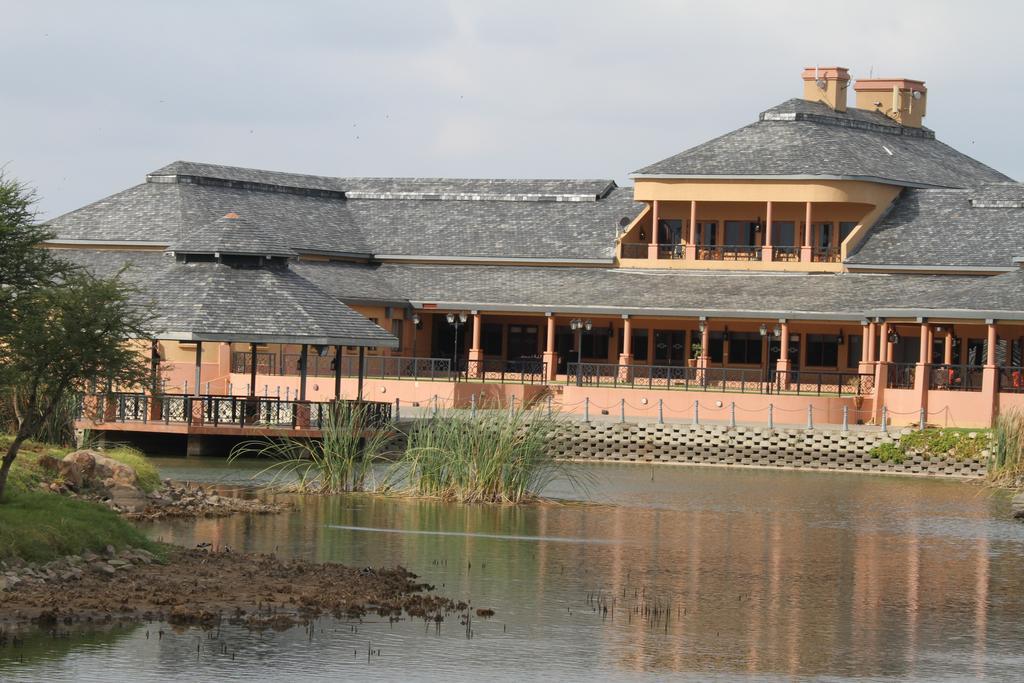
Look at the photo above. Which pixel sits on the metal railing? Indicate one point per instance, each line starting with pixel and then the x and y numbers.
pixel 825 254
pixel 824 383
pixel 217 410
pixel 785 253
pixel 1011 379
pixel 634 249
pixel 900 375
pixel 730 380
pixel 729 252
pixel 374 367
pixel 522 371
pixel 266 362
pixel 671 251
pixel 954 377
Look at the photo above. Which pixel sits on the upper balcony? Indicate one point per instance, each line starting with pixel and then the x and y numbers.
pixel 804 236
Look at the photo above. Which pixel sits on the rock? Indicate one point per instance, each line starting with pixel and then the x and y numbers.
pixel 86 461
pixel 1017 506
pixel 104 568
pixel 128 498
pixel 71 472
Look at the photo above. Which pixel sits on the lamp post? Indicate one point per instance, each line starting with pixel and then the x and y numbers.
pixel 456 320
pixel 578 326
pixel 415 326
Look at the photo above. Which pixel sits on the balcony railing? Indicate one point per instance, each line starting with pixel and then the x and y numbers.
pixel 216 410
pixel 374 367
pixel 785 253
pixel 1011 379
pixel 955 377
pixel 266 362
pixel 522 371
pixel 671 251
pixel 900 375
pixel 825 254
pixel 729 252
pixel 741 380
pixel 634 250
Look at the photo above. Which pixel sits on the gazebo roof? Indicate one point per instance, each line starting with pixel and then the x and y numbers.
pixel 232 235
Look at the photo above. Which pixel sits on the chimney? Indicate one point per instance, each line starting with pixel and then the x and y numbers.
pixel 901 99
pixel 826 84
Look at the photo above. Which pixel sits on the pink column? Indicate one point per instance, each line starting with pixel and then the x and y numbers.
pixel 882 369
pixel 990 376
pixel 550 357
pixel 626 357
pixel 766 248
pixel 806 249
pixel 652 248
pixel 872 348
pixel 922 373
pixel 691 239
pixel 475 364
pixel 947 348
pixel 782 365
pixel 866 347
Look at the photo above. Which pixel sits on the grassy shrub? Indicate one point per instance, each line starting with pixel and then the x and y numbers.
pixel 39 527
pixel 342 460
pixel 956 443
pixel 1007 466
pixel 148 474
pixel 496 456
pixel 888 451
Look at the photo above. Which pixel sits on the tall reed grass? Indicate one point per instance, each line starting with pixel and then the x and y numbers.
pixel 342 460
pixel 493 456
pixel 1007 467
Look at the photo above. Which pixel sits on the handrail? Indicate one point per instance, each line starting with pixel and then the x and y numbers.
pixel 900 375
pixel 943 377
pixel 728 252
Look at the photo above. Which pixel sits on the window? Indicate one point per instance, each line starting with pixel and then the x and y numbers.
pixel 715 347
pixel 670 231
pixel 595 344
pixel 740 233
pixel 822 234
pixel 783 233
pixel 522 341
pixel 490 338
pixel 639 343
pixel 822 351
pixel 707 233
pixel 854 349
pixel 745 347
pixel 397 326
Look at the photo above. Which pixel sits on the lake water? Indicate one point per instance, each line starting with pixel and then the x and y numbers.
pixel 707 574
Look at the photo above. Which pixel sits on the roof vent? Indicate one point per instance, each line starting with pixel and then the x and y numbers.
pixel 231 214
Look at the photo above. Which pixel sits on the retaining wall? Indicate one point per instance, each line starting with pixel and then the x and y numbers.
pixel 750 446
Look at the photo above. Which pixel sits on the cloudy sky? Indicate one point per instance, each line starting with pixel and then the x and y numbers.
pixel 98 93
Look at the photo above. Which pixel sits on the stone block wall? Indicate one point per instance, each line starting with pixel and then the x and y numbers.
pixel 749 446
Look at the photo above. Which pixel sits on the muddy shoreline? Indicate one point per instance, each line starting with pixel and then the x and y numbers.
pixel 202 587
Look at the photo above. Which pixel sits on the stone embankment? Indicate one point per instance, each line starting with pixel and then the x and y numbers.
pixel 205 588
pixel 90 475
pixel 749 446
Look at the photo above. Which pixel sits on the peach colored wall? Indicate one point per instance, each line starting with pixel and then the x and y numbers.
pixel 957 408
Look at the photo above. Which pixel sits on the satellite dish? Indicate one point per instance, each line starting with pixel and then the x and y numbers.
pixel 917 95
pixel 624 221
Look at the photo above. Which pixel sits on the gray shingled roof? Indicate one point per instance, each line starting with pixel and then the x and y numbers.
pixel 976 228
pixel 214 302
pixel 800 138
pixel 231 235
pixel 204 292
pixel 421 217
pixel 998 297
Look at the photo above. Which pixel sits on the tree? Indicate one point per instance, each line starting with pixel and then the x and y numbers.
pixel 61 327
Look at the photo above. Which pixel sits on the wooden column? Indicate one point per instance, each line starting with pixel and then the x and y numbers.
pixel 766 249
pixel 362 373
pixel 652 249
pixel 691 240
pixel 303 370
pixel 252 370
pixel 337 372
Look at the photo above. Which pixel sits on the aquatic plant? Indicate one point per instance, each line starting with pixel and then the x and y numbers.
pixel 500 455
pixel 341 460
pixel 1007 466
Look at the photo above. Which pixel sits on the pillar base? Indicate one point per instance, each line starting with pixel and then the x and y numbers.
pixel 806 253
pixel 550 365
pixel 652 251
pixel 691 252
pixel 768 253
pixel 782 378
pixel 475 363
pixel 625 372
